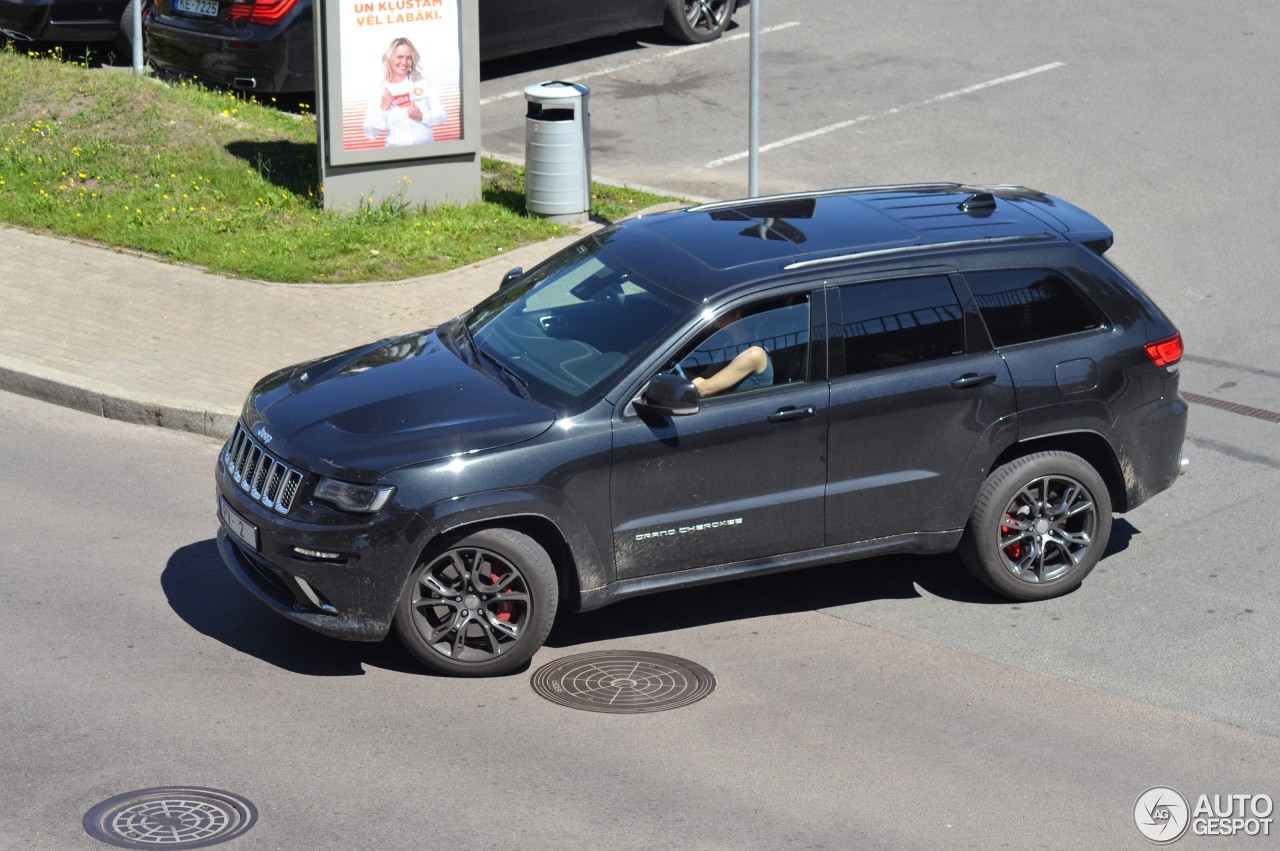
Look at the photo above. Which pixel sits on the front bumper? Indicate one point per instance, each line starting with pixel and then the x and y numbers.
pixel 282 592
pixel 351 597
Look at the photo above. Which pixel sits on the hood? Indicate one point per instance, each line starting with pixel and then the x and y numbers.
pixel 407 400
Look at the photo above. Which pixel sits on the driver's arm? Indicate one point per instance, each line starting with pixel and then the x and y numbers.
pixel 750 362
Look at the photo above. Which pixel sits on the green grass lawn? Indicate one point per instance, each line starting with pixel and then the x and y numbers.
pixel 215 180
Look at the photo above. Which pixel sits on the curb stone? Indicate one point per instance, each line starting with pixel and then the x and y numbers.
pixel 112 401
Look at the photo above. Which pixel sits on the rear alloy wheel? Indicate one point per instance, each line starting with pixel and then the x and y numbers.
pixel 696 21
pixel 1039 526
pixel 481 606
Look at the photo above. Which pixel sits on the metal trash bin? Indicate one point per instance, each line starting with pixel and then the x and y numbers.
pixel 557 151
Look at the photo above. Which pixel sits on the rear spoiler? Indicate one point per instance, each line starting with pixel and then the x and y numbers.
pixel 1065 218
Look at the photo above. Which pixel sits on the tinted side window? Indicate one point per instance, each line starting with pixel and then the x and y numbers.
pixel 1020 305
pixel 892 323
pixel 779 327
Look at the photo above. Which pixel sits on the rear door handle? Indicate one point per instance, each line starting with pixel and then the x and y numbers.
pixel 790 413
pixel 974 379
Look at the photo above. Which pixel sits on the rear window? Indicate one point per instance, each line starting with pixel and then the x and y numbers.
pixel 1021 305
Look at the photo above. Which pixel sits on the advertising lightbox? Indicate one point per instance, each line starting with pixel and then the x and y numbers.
pixel 397 101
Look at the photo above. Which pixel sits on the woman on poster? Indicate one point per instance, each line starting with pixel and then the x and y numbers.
pixel 405 107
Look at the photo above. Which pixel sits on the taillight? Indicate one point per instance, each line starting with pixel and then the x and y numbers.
pixel 1165 352
pixel 265 12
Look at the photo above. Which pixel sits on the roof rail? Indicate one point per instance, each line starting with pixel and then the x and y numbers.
pixel 927 246
pixel 821 193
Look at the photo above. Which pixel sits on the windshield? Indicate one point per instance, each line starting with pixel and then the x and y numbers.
pixel 570 327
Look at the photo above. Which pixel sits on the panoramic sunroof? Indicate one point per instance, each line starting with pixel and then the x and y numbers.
pixel 781 230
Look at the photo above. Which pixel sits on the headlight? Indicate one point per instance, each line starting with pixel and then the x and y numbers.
pixel 349 497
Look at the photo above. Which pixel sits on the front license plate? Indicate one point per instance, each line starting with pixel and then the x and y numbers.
pixel 242 529
pixel 206 8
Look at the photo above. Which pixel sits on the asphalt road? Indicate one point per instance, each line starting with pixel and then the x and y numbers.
pixel 133 660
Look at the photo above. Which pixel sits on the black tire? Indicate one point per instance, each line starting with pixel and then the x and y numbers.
pixel 696 21
pixel 479 606
pixel 1038 527
pixel 124 39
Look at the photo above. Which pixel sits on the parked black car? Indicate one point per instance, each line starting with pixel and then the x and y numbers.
pixel 90 21
pixel 732 389
pixel 267 46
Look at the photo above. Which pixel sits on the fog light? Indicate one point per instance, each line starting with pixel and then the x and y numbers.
pixel 316 553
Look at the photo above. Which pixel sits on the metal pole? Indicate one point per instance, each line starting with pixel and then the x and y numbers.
pixel 753 121
pixel 136 7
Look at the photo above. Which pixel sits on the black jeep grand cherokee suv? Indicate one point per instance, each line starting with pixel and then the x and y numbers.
pixel 731 389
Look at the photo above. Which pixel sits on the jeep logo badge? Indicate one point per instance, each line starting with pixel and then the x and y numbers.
pixel 261 431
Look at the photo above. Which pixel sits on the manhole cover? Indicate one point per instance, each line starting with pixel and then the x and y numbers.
pixel 623 681
pixel 170 817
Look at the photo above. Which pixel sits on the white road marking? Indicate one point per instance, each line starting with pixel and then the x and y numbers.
pixel 801 137
pixel 649 59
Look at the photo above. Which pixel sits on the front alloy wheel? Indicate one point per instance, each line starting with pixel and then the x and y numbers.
pixel 696 21
pixel 1039 526
pixel 481 606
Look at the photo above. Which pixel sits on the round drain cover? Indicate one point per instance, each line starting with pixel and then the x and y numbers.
pixel 623 681
pixel 170 817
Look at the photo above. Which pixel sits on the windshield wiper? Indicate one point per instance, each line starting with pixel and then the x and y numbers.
pixel 519 384
pixel 469 340
pixel 513 378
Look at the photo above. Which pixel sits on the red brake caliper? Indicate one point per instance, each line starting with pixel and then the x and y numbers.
pixel 504 611
pixel 1015 549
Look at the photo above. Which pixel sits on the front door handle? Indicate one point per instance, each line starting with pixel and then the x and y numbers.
pixel 974 379
pixel 790 413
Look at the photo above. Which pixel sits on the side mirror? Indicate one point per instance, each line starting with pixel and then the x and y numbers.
pixel 510 278
pixel 668 395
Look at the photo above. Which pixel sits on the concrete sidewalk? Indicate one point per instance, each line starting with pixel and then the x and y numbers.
pixel 137 339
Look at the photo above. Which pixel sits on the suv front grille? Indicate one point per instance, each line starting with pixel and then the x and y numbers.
pixel 260 474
